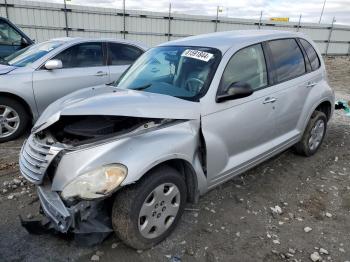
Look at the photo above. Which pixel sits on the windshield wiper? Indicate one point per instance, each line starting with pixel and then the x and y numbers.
pixel 142 87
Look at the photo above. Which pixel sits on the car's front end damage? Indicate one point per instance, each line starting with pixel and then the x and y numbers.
pixel 80 154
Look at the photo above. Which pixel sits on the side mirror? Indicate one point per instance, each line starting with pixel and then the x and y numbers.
pixel 234 91
pixel 53 64
pixel 24 42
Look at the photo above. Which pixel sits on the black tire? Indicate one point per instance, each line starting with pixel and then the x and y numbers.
pixel 128 203
pixel 23 116
pixel 302 147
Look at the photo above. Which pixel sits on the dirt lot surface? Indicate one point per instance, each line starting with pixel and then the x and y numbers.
pixel 234 222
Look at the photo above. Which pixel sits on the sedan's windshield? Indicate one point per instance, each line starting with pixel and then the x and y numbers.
pixel 31 53
pixel 180 71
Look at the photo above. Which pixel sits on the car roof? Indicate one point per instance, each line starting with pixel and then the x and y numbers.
pixel 85 39
pixel 225 40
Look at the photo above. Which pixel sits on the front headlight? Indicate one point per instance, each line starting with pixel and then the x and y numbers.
pixel 97 183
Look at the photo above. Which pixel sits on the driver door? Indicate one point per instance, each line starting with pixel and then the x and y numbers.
pixel 84 65
pixel 238 133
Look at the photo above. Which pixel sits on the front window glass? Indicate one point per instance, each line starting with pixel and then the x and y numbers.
pixel 247 66
pixel 31 53
pixel 8 35
pixel 180 71
pixel 82 55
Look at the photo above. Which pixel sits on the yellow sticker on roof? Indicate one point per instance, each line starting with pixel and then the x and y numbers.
pixel 196 54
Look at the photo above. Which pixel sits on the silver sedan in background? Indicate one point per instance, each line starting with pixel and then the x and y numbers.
pixel 36 76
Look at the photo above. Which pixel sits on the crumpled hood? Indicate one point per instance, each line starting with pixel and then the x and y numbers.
pixel 108 100
pixel 5 69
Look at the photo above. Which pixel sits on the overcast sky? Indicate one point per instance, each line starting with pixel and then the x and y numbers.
pixel 310 9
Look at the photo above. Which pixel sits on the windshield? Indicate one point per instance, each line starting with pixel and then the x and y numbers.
pixel 31 53
pixel 180 71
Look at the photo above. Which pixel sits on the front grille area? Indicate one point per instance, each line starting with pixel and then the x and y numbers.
pixel 36 155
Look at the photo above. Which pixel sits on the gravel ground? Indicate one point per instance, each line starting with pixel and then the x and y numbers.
pixel 233 222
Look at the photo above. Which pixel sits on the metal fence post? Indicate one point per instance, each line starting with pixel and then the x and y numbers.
pixel 261 12
pixel 299 23
pixel 169 22
pixel 330 35
pixel 66 17
pixel 6 10
pixel 124 25
pixel 217 18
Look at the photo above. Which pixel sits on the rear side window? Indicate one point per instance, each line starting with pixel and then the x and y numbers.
pixel 121 54
pixel 311 54
pixel 288 59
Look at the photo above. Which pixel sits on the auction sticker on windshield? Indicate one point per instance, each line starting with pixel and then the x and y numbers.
pixel 196 54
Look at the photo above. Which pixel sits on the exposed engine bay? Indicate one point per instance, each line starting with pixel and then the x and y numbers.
pixel 76 130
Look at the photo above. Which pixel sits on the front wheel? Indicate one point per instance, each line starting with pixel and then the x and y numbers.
pixel 13 119
pixel 146 213
pixel 313 135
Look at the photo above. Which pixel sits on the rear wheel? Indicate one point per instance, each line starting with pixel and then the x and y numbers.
pixel 13 119
pixel 313 135
pixel 146 213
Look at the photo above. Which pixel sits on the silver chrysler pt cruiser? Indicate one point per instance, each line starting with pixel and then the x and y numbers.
pixel 187 116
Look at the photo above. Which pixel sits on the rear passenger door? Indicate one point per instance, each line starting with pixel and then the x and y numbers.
pixel 291 82
pixel 120 57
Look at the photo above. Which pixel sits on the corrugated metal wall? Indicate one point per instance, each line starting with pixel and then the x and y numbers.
pixel 43 21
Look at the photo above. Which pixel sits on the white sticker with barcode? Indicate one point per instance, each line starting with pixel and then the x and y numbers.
pixel 196 54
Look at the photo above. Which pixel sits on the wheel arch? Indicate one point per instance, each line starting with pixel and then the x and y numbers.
pixel 21 101
pixel 326 108
pixel 187 172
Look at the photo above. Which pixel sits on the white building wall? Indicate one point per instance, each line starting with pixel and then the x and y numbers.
pixel 43 21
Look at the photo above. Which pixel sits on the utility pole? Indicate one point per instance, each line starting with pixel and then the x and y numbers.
pixel 6 10
pixel 324 3
pixel 330 35
pixel 299 23
pixel 124 26
pixel 66 17
pixel 261 12
pixel 217 18
pixel 169 21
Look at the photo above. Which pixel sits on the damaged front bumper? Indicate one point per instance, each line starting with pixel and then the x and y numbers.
pixel 88 220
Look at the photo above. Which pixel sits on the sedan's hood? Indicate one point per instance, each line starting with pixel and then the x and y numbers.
pixel 4 69
pixel 108 100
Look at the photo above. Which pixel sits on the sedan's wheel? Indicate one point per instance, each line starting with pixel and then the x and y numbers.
pixel 13 119
pixel 313 135
pixel 146 213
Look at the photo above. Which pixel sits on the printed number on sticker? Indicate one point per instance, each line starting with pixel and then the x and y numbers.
pixel 196 54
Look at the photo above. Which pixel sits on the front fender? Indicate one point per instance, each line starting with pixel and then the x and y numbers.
pixel 138 153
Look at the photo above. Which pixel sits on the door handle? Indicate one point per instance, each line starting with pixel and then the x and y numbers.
pixel 310 84
pixel 101 73
pixel 270 100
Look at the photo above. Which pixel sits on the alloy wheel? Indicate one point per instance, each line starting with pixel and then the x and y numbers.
pixel 9 121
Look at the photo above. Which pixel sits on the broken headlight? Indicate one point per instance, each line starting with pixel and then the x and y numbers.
pixel 96 183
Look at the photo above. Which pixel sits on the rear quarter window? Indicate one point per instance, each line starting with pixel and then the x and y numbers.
pixel 311 54
pixel 287 58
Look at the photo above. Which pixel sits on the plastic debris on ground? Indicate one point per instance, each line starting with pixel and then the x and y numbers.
pixel 343 105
